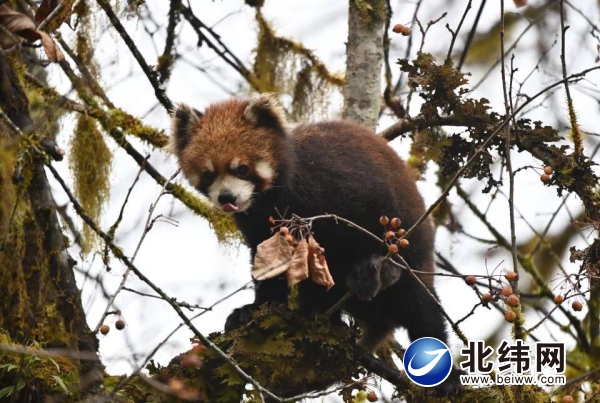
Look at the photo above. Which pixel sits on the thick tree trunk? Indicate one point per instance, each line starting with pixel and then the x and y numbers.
pixel 42 302
pixel 364 57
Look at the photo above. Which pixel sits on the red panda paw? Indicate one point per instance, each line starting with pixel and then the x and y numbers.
pixel 239 317
pixel 365 278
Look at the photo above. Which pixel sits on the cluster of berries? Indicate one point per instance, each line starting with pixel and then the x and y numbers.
pixel 393 234
pixel 545 177
pixel 363 396
pixel 119 324
pixel 576 305
pixel 401 29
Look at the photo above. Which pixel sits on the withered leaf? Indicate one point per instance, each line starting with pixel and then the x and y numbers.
pixel 16 22
pixel 319 271
pixel 52 50
pixel 298 270
pixel 273 257
pixel 24 27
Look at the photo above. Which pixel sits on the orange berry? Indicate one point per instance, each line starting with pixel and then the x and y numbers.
pixel 393 249
pixel 470 280
pixel 510 316
pixel 271 220
pixel 567 399
pixel 487 297
pixel 284 231
pixel 511 276
pixel 403 243
pixel 383 220
pixel 513 301
pixel 405 31
pixel 290 239
pixel 545 178
pixel 401 232
pixel 506 291
pixel 372 396
pixel 398 28
pixel 395 222
pixel 548 170
pixel 104 329
pixel 389 235
pixel 577 306
pixel 120 324
pixel 559 299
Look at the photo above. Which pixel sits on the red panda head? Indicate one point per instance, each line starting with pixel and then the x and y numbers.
pixel 232 150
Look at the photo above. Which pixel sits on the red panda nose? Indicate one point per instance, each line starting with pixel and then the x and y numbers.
pixel 225 198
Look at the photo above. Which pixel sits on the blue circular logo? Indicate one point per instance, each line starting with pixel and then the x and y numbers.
pixel 427 362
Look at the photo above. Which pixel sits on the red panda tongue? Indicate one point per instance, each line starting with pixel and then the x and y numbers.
pixel 229 208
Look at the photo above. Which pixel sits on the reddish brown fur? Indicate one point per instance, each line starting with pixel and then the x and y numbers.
pixel 222 134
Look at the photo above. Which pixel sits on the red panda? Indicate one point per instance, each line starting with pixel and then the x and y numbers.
pixel 250 161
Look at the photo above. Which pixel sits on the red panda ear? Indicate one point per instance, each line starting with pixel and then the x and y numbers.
pixel 266 111
pixel 183 120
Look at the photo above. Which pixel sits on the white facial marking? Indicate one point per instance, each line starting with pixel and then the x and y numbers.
pixel 209 166
pixel 265 171
pixel 194 179
pixel 240 188
pixel 234 163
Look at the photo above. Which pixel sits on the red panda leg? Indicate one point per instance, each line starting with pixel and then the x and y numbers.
pixel 373 334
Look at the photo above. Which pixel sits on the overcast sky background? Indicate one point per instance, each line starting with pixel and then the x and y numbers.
pixel 187 262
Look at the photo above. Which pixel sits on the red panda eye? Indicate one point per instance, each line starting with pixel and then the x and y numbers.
pixel 207 177
pixel 242 170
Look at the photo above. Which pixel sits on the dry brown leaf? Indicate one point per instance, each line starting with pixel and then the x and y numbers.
pixel 298 270
pixel 273 257
pixel 319 272
pixel 52 50
pixel 15 21
pixel 23 26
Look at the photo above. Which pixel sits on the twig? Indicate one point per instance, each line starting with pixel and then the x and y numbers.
pixel 50 16
pixel 465 51
pixel 338 305
pixel 514 45
pixel 398 85
pixel 166 60
pixel 147 229
pixel 113 228
pixel 225 53
pixel 62 211
pixel 396 378
pixel 159 91
pixel 511 177
pixel 576 135
pixel 423 35
pixel 455 34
